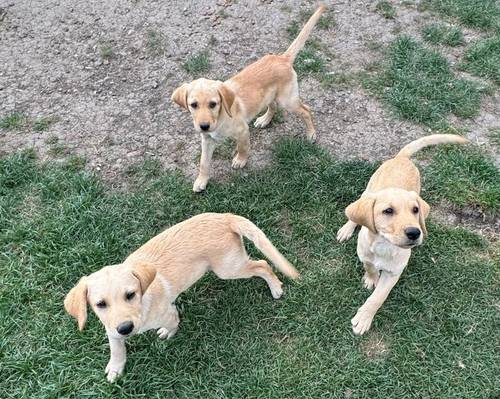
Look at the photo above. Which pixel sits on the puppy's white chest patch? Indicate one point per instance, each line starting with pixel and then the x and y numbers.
pixel 382 254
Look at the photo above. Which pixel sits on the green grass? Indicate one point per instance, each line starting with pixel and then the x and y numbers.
pixel 418 84
pixel 463 176
pixel 58 222
pixel 43 124
pixel 494 135
pixel 106 51
pixel 386 9
pixel 442 34
pixel 483 59
pixel 12 121
pixel 478 14
pixel 155 45
pixel 197 64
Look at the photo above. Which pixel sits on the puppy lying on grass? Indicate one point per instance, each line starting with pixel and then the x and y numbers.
pixel 139 294
pixel 223 109
pixel 393 218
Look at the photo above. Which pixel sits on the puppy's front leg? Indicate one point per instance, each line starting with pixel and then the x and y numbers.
pixel 242 146
pixel 207 150
pixel 363 319
pixel 117 359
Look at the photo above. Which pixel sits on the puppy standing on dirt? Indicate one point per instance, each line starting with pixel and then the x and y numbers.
pixel 139 294
pixel 393 218
pixel 222 110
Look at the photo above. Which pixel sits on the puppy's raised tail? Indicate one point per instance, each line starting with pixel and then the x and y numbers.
pixel 301 39
pixel 246 228
pixel 434 139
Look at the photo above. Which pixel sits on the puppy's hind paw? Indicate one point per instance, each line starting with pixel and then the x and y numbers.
pixel 312 136
pixel 262 121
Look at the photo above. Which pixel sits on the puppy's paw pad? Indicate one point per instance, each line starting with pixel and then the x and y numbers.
pixel 361 323
pixel 238 162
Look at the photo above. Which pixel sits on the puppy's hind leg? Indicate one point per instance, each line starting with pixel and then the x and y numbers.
pixel 170 324
pixel 305 112
pixel 236 264
pixel 289 99
pixel 265 119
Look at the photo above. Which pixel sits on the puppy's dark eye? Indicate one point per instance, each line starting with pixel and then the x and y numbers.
pixel 415 209
pixel 388 211
pixel 101 304
pixel 130 296
pixel 194 105
pixel 212 104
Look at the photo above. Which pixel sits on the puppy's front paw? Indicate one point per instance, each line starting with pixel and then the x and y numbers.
pixel 200 184
pixel 362 321
pixel 113 371
pixel 166 333
pixel 370 281
pixel 345 232
pixel 239 162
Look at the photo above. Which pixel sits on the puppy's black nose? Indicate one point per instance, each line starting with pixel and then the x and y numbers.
pixel 125 328
pixel 412 233
pixel 204 126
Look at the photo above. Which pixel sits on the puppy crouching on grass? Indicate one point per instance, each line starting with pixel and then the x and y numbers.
pixel 139 294
pixel 224 109
pixel 392 215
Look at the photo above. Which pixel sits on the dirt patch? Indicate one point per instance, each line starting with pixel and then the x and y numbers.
pixel 487 225
pixel 105 72
pixel 374 346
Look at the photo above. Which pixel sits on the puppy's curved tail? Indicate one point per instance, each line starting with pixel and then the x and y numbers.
pixel 244 227
pixel 301 39
pixel 434 139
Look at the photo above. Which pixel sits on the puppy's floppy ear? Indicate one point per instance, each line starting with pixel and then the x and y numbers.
pixel 180 95
pixel 423 213
pixel 227 98
pixel 145 273
pixel 361 212
pixel 75 302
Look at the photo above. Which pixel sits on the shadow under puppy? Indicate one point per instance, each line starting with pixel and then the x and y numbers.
pixel 139 294
pixel 392 216
pixel 223 109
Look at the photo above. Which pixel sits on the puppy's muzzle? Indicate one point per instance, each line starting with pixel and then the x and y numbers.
pixel 205 126
pixel 125 328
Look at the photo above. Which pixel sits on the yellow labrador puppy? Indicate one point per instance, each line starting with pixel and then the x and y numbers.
pixel 223 109
pixel 139 294
pixel 392 216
